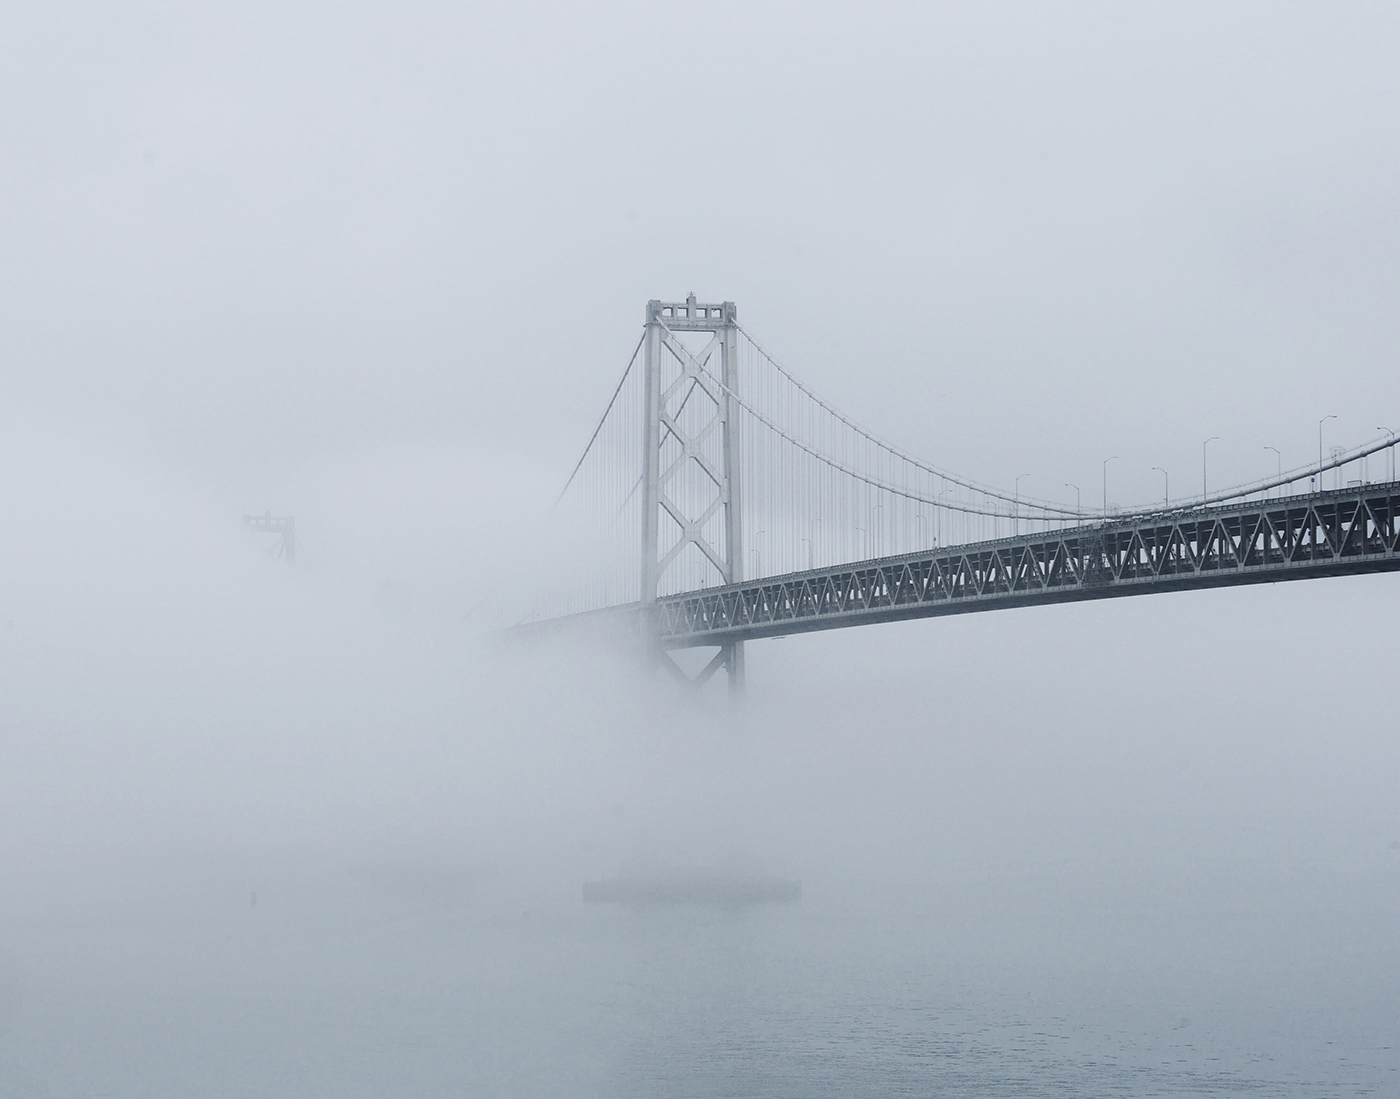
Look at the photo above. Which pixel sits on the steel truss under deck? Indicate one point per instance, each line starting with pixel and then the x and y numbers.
pixel 1339 533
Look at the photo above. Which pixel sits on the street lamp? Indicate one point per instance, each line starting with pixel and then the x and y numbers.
pixel 1078 518
pixel 1016 520
pixel 1205 444
pixel 1105 483
pixel 1319 446
pixel 1279 457
pixel 1392 450
pixel 1166 487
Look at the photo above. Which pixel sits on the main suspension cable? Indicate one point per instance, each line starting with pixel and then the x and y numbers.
pixel 902 454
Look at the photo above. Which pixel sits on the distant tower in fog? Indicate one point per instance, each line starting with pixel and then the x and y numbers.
pixel 283 527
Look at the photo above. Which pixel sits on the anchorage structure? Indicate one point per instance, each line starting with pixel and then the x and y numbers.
pixel 283 526
pixel 690 459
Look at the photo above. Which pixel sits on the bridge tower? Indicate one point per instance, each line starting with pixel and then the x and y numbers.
pixel 690 460
pixel 283 526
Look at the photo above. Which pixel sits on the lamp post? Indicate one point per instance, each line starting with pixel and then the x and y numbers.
pixel 1392 450
pixel 1278 456
pixel 1105 483
pixel 1016 519
pixel 1205 444
pixel 1078 518
pixel 1319 446
pixel 1166 487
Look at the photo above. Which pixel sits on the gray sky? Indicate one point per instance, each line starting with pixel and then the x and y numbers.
pixel 251 240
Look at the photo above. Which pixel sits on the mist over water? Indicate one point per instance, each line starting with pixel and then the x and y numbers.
pixel 267 831
pixel 285 830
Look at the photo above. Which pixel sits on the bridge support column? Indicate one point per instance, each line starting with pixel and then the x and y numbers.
pixel 730 657
pixel 692 530
pixel 651 474
pixel 734 531
pixel 734 663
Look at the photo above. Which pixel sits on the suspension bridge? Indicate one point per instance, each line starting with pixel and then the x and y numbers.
pixel 721 500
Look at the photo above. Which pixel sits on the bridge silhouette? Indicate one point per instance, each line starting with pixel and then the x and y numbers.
pixel 724 501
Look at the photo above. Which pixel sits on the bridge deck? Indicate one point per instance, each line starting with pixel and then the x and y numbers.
pixel 1353 530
